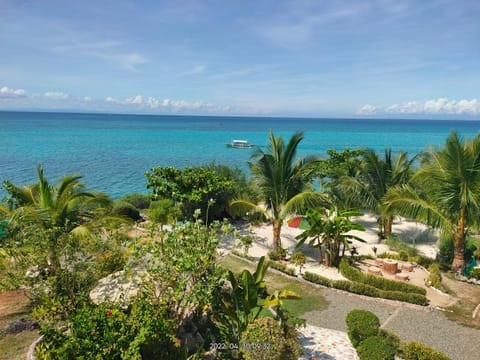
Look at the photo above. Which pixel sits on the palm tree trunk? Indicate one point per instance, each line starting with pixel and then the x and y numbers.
pixel 459 243
pixel 387 226
pixel 328 257
pixel 277 242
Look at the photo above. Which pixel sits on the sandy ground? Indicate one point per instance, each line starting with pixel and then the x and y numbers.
pixel 409 231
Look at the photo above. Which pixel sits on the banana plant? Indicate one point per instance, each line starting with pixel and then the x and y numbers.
pixel 274 303
pixel 241 306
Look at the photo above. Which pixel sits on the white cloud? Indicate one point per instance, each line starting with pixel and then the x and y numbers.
pixel 112 100
pixel 57 95
pixel 167 105
pixel 87 98
pixel 137 100
pixel 440 106
pixel 367 109
pixel 9 93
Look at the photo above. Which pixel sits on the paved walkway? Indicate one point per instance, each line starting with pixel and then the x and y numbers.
pixel 430 327
pixel 325 344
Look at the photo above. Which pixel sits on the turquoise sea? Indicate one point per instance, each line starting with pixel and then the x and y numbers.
pixel 114 151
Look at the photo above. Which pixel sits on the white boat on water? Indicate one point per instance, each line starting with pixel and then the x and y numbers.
pixel 240 144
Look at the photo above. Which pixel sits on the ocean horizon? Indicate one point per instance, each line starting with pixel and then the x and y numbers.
pixel 113 151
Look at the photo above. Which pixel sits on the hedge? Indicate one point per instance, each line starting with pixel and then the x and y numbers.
pixel 123 208
pixel 361 325
pixel 375 348
pixel 281 267
pixel 380 283
pixel 367 290
pixel 417 351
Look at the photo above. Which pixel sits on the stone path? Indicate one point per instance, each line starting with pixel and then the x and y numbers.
pixel 325 344
pixel 430 327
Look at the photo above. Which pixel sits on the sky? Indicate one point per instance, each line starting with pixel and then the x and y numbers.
pixel 318 58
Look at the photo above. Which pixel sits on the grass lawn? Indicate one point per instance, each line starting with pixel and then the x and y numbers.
pixel 312 297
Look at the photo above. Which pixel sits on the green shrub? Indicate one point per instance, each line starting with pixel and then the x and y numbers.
pixel 242 255
pixel 317 279
pixel 367 290
pixel 108 332
pixel 388 255
pixel 403 255
pixel 264 339
pixel 281 267
pixel 140 201
pixel 380 283
pixel 272 255
pixel 375 348
pixel 446 248
pixel 299 259
pixel 475 273
pixel 390 338
pixel 416 351
pixel 435 277
pixel 125 209
pixel 361 325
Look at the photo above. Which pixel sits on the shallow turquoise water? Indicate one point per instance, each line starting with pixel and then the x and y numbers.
pixel 114 151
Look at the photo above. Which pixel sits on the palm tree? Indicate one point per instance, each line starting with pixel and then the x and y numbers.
pixel 445 191
pixel 376 176
pixel 330 228
pixel 284 182
pixel 52 212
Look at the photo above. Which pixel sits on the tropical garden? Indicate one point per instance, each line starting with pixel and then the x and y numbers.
pixel 59 241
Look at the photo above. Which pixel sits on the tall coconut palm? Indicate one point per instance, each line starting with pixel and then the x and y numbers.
pixel 375 177
pixel 284 182
pixel 52 212
pixel 445 191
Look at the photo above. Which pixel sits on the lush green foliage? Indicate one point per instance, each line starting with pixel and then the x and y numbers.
pixel 375 348
pixel 247 242
pixel 361 325
pixel 367 290
pixel 329 228
pixel 380 283
pixel 435 276
pixel 143 331
pixel 444 192
pixel 390 338
pixel 264 339
pixel 375 176
pixel 417 351
pixel 194 188
pixel 140 201
pixel 299 259
pixel 284 182
pixel 122 208
pixel 49 214
pixel 163 212
pixel 475 273
pixel 237 304
pixel 281 267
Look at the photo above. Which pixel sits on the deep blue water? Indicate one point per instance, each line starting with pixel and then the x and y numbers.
pixel 114 151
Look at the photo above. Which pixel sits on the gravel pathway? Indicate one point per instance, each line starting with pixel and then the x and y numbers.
pixel 430 327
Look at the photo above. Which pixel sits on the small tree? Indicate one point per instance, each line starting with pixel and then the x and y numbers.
pixel 246 242
pixel 192 188
pixel 330 228
pixel 299 259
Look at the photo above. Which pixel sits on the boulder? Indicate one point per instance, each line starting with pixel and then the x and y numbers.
pixel 120 287
pixel 19 325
